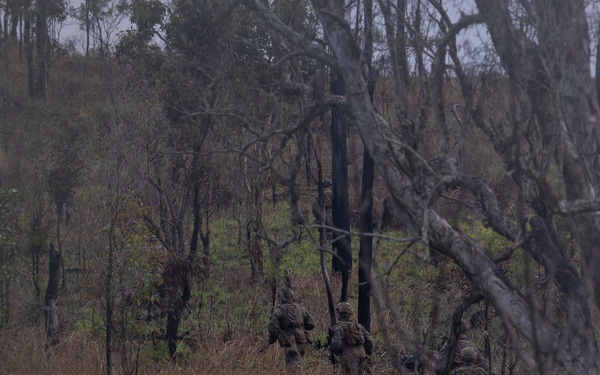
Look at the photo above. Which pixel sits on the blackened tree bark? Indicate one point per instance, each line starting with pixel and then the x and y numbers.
pixel 598 70
pixel 342 263
pixel 365 252
pixel 177 274
pixel 51 297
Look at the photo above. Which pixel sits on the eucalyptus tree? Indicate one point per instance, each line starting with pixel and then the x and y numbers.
pixel 546 130
pixel 193 92
pixel 38 18
pixel 99 19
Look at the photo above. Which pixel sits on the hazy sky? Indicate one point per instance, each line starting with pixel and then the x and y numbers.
pixel 469 42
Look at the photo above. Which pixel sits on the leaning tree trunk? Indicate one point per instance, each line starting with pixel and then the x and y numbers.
pixel 413 183
pixel 397 164
pixel 562 98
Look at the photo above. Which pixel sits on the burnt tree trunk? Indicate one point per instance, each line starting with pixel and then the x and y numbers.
pixel 178 274
pixel 365 253
pixel 50 300
pixel 342 263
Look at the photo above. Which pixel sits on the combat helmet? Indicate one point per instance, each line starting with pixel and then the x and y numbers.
pixel 344 309
pixel 326 182
pixel 286 295
pixel 469 354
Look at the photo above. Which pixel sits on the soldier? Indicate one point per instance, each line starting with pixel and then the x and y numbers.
pixel 322 214
pixel 351 342
pixel 463 342
pixel 288 325
pixel 469 363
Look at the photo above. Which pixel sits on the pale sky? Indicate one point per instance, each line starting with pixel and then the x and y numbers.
pixel 469 41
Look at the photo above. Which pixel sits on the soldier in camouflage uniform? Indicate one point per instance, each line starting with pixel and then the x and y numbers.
pixel 469 363
pixel 322 214
pixel 462 342
pixel 351 342
pixel 289 325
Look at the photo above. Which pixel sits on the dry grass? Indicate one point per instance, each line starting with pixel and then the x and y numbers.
pixel 24 352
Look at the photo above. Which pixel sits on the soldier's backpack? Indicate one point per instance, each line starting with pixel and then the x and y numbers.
pixel 292 316
pixel 352 333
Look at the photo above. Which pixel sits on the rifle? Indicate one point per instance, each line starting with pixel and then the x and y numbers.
pixel 266 346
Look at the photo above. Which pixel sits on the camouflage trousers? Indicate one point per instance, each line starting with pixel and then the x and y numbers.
pixel 355 365
pixel 294 352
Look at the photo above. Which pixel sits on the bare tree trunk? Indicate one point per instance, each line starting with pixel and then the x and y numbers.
pixel 177 279
pixel 42 47
pixel 365 252
pixel 598 70
pixel 29 56
pixel 342 263
pixel 50 300
pixel 400 50
pixel 108 306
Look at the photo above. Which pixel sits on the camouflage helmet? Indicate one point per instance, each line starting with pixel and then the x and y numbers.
pixel 344 308
pixel 286 295
pixel 469 354
pixel 326 182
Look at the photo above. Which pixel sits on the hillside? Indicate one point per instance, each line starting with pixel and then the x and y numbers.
pixel 154 198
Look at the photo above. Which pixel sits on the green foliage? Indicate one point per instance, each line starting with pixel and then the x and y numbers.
pixel 157 351
pixel 147 15
pixel 485 235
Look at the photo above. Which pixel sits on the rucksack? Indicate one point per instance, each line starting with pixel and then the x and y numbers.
pixel 352 333
pixel 292 315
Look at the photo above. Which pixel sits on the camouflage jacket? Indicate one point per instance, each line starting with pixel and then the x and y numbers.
pixel 290 319
pixel 350 338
